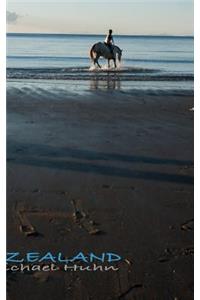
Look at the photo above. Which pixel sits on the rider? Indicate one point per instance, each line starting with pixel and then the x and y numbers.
pixel 109 41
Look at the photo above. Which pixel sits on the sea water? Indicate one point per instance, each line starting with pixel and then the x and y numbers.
pixel 162 62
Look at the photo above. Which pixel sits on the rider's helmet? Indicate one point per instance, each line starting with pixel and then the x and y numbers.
pixel 110 31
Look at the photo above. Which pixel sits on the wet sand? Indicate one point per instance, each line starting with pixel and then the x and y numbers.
pixel 103 171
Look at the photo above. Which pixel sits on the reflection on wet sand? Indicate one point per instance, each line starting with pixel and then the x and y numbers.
pixel 112 82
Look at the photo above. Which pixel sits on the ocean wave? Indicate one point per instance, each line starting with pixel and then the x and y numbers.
pixel 70 70
pixel 82 73
pixel 81 58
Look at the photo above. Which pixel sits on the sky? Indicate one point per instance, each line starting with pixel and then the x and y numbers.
pixel 170 17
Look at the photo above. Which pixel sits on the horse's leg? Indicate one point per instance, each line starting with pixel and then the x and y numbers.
pixel 98 63
pixel 114 59
pixel 109 63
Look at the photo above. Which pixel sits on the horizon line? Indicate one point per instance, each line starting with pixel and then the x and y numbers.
pixel 101 34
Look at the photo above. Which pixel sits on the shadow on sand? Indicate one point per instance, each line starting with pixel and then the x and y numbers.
pixel 95 162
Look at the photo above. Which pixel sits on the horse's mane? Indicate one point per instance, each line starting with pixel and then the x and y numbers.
pixel 118 48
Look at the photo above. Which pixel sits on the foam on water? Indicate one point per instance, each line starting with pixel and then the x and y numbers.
pixel 104 73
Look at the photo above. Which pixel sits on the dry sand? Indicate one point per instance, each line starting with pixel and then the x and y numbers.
pixel 124 161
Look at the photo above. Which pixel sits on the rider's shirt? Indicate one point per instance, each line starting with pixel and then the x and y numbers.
pixel 109 40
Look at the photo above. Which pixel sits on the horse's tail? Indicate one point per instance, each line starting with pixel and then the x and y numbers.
pixel 91 52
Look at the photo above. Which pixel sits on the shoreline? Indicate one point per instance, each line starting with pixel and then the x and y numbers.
pixel 59 89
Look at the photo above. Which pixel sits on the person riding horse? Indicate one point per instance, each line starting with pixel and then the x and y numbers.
pixel 109 41
pixel 106 49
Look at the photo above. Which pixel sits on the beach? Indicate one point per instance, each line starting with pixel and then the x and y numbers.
pixel 105 169
pixel 99 164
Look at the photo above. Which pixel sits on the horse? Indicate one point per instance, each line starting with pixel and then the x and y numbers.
pixel 101 49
